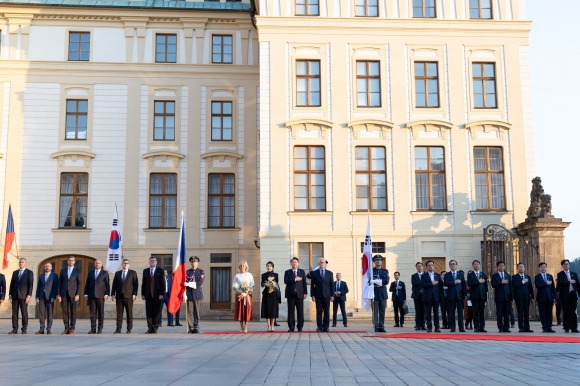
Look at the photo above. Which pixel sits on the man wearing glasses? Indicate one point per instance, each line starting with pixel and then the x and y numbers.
pixel 124 292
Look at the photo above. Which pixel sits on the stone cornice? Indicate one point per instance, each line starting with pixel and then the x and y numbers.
pixel 309 124
pixel 488 126
pixel 369 125
pixel 429 125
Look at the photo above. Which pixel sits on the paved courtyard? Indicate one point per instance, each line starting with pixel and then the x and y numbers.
pixel 174 358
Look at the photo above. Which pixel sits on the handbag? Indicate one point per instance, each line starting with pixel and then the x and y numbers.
pixel 405 309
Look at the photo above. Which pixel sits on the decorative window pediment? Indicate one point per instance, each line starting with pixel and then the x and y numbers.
pixel 168 157
pixel 226 159
pixel 74 156
pixel 488 126
pixel 429 125
pixel 320 125
pixel 370 125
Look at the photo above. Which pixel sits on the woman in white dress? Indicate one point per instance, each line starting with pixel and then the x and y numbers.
pixel 243 285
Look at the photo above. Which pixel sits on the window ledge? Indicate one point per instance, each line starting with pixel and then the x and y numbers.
pixel 161 229
pixel 220 229
pixel 72 229
pixel 310 213
pixel 371 213
pixel 431 212
pixel 491 212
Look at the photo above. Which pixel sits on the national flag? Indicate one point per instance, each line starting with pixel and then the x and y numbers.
pixel 368 292
pixel 9 237
pixel 179 269
pixel 115 253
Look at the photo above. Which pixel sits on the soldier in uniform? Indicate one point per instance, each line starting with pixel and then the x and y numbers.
pixel 380 280
pixel 193 281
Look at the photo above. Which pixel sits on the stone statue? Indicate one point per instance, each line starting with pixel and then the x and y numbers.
pixel 540 203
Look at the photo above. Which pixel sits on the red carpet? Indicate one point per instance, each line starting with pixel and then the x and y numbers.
pixel 285 332
pixel 503 337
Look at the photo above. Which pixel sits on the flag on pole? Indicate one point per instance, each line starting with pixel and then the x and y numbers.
pixel 179 269
pixel 9 237
pixel 115 252
pixel 368 292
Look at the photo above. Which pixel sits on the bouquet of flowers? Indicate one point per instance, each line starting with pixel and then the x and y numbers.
pixel 244 290
pixel 271 285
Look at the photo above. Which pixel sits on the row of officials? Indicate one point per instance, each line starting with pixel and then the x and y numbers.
pixel 66 288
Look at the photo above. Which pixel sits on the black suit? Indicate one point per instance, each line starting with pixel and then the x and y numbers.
pixel 321 289
pixel 503 299
pixel 431 298
pixel 523 294
pixel 20 288
pixel 478 296
pixel 339 300
pixel 545 297
pixel 399 297
pixel 295 292
pixel 2 286
pixel 152 289
pixel 569 298
pixel 46 292
pixel 96 288
pixel 123 291
pixel 455 295
pixel 69 289
pixel 417 296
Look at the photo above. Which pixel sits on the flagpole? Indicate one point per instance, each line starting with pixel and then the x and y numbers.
pixel 185 296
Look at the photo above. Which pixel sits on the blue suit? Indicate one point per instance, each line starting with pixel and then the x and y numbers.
pixel 321 290
pixel 455 294
pixel 46 292
pixel 523 295
pixel 503 299
pixel 431 298
pixel 545 297
pixel 339 300
pixel 398 297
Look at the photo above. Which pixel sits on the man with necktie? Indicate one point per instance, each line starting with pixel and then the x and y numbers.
pixel 398 297
pixel 97 291
pixel 322 294
pixel 152 292
pixel 19 294
pixel 477 281
pixel 70 287
pixel 295 293
pixel 340 291
pixel 545 296
pixel 46 292
pixel 124 293
pixel 524 296
pixel 501 282
pixel 431 281
pixel 456 292
pixel 568 288
pixel 417 296
pixel 380 280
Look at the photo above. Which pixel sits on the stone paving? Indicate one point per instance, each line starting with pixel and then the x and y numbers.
pixel 174 358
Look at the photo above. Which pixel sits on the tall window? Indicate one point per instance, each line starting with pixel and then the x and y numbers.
pixel 424 8
pixel 165 48
pixel 309 178
pixel 426 84
pixel 307 7
pixel 308 82
pixel 164 118
pixel 484 92
pixel 480 9
pixel 430 178
pixel 489 186
pixel 366 8
pixel 310 252
pixel 74 192
pixel 165 262
pixel 377 247
pixel 371 185
pixel 221 49
pixel 221 121
pixel 163 200
pixel 221 198
pixel 76 119
pixel 79 46
pixel 368 83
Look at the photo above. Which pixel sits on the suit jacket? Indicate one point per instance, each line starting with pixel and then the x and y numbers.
pixel 430 291
pixel 477 290
pixel 522 291
pixel 197 276
pixel 402 293
pixel 455 292
pixel 545 292
pixel 416 286
pixel 20 289
pixel 2 286
pixel 381 291
pixel 47 289
pixel 71 286
pixel 292 285
pixel 322 287
pixel 343 288
pixel 564 284
pixel 503 292
pixel 97 288
pixel 126 289
pixel 153 287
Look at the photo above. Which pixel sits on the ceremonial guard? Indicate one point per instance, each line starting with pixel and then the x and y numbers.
pixel 193 281
pixel 380 280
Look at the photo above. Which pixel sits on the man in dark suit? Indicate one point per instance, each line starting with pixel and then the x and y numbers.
pixel 152 292
pixel 296 292
pixel 70 287
pixel 19 294
pixel 417 296
pixel 431 282
pixel 501 282
pixel 456 291
pixel 399 297
pixel 123 293
pixel 97 290
pixel 340 291
pixel 322 294
pixel 568 288
pixel 545 296
pixel 524 296
pixel 380 280
pixel 2 288
pixel 477 282
pixel 194 282
pixel 46 292
pixel 165 302
pixel 443 298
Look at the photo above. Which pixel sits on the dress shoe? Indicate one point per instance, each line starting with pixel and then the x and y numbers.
pixel 550 330
pixel 128 331
pixel 299 330
pixel 65 332
pixel 566 331
pixel 417 328
pixel 575 331
pixel 396 325
pixel 16 332
pixel 149 331
pixel 482 330
pixel 92 332
pixel 437 330
pixel 170 325
pixel 461 330
pixel 318 330
pixel 48 332
pixel 429 330
pixel 452 330
pixel 99 331
pixel 345 325
pixel 381 330
pixel 522 330
pixel 178 324
pixel 334 325
pixel 401 325
pixel 290 330
pixel 117 331
pixel 24 332
pixel 276 324
pixel 506 330
pixel 325 330
pixel 154 331
pixel 71 331
pixel 196 331
pixel 528 330
pixel 39 332
pixel 190 331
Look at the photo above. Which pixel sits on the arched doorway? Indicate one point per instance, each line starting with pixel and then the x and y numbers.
pixel 85 264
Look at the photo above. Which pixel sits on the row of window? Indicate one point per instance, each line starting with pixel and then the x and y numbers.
pixel 368 84
pixel 478 9
pixel 74 190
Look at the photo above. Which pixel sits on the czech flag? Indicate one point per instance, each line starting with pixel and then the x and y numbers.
pixel 368 292
pixel 115 252
pixel 9 237
pixel 179 269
